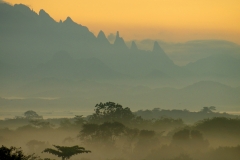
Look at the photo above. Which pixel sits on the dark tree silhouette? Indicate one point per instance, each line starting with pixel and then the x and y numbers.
pixel 11 153
pixel 110 112
pixel 40 124
pixel 190 139
pixel 79 120
pixel 182 135
pixel 14 153
pixel 32 115
pixel 66 152
pixel 106 132
pixel 208 109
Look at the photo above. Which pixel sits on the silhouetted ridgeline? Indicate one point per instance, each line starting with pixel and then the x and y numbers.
pixel 186 115
pixel 36 37
pixel 49 64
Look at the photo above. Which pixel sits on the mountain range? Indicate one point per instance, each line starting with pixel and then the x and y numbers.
pixel 40 57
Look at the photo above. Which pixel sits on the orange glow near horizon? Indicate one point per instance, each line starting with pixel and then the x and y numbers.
pixel 168 20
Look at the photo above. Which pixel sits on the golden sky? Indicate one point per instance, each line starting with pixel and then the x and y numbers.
pixel 168 20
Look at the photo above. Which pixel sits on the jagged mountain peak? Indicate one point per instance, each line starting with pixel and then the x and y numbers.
pixel 68 20
pixel 117 34
pixel 119 42
pixel 25 10
pixel 22 7
pixel 45 16
pixel 134 46
pixel 157 48
pixel 101 35
pixel 43 13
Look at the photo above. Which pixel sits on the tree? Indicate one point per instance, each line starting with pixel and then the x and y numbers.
pixel 192 140
pixel 66 152
pixel 146 138
pixel 41 124
pixel 79 120
pixel 181 136
pixel 208 109
pixel 110 112
pixel 14 153
pixel 106 132
pixel 32 115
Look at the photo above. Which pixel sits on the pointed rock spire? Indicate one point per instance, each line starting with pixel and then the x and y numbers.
pixel 157 48
pixel 134 46
pixel 117 35
pixel 160 52
pixel 43 13
pixel 101 37
pixel 119 42
pixel 68 21
pixel 45 16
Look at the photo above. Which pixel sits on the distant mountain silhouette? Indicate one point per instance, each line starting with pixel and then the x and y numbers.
pixel 102 39
pixel 82 93
pixel 62 65
pixel 29 41
pixel 119 42
pixel 203 93
pixel 134 46
pixel 38 36
pixel 218 65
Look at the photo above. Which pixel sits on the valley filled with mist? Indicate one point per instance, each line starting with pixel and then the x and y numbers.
pixel 142 99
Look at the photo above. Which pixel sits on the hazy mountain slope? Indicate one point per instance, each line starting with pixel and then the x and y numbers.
pixel 84 93
pixel 218 65
pixel 36 36
pixel 204 93
pixel 62 65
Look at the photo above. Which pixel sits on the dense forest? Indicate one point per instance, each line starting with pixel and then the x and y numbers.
pixel 116 133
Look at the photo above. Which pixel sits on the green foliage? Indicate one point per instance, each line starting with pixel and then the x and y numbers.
pixel 106 132
pixel 167 123
pixel 66 152
pixel 110 112
pixel 221 125
pixel 79 120
pixel 41 124
pixel 146 134
pixel 182 135
pixel 146 138
pixel 185 115
pixel 208 109
pixel 14 153
pixel 191 140
pixel 11 153
pixel 32 115
pixel 223 153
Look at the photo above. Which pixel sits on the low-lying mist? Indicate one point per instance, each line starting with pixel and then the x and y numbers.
pixel 114 132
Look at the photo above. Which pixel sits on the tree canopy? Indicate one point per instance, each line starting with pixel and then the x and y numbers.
pixel 66 152
pixel 110 112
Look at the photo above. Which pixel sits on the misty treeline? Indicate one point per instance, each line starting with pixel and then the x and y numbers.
pixel 186 115
pixel 116 133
